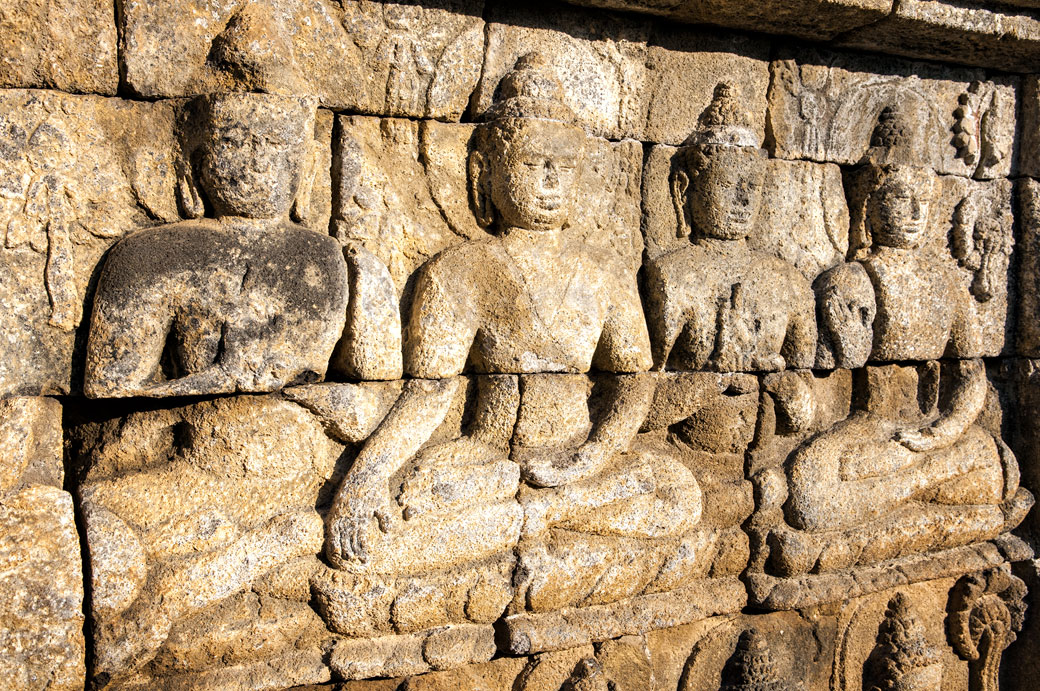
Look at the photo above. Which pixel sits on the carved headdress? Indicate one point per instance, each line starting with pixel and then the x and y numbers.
pixel 254 54
pixel 725 122
pixel 531 90
pixel 255 82
pixel 724 125
pixel 895 149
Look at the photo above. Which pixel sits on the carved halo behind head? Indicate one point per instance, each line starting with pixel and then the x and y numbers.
pixel 892 168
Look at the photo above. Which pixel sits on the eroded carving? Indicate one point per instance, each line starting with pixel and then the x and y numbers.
pixel 910 470
pixel 716 304
pixel 246 300
pixel 986 611
pixel 903 659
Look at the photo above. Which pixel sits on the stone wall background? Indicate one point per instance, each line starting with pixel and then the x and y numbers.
pixel 92 94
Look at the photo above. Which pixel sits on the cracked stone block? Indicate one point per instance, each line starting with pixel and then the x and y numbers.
pixel 69 45
pixel 41 576
pixel 823 107
pixel 389 58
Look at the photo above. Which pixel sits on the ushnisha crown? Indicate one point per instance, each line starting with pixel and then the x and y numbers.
pixel 724 122
pixel 531 90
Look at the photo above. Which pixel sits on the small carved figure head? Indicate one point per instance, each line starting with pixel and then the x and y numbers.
pixel 249 144
pixel 527 159
pixel 717 174
pixel 890 196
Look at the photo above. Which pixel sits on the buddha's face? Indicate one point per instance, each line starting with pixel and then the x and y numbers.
pixel 252 155
pixel 534 171
pixel 724 198
pixel 898 209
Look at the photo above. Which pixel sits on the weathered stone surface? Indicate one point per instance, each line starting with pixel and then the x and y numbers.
pixel 402 194
pixel 247 302
pixel 683 68
pixel 41 577
pixel 600 60
pixel 396 59
pixel 621 78
pixel 803 217
pixel 717 303
pixel 68 45
pixel 189 509
pixel 812 20
pixel 78 172
pixel 1028 250
pixel 937 252
pixel 823 106
pixel 1029 132
pixel 972 33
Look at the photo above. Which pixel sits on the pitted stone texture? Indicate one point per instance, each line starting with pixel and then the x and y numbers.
pixel 187 511
pixel 398 59
pixel 1028 207
pixel 244 310
pixel 68 45
pixel 622 77
pixel 824 105
pixel 683 68
pixel 723 293
pixel 807 19
pixel 41 578
pixel 1029 133
pixel 953 285
pixel 599 58
pixel 972 33
pixel 401 193
pixel 246 302
pixel 78 172
pixel 803 218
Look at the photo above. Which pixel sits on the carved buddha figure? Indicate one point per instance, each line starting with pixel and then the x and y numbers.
pixel 534 310
pixel 242 300
pixel 910 470
pixel 716 303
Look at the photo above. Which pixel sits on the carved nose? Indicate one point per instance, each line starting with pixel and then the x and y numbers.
pixel 915 209
pixel 551 180
pixel 743 196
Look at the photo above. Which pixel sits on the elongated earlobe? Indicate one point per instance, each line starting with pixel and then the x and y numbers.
pixel 189 198
pixel 680 182
pixel 480 189
pixel 301 206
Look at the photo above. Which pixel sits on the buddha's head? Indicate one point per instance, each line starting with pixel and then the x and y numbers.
pixel 890 193
pixel 251 153
pixel 716 179
pixel 248 143
pixel 527 159
pixel 898 208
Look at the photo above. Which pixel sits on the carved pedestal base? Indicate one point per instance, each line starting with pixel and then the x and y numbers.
pixel 770 592
pixel 574 626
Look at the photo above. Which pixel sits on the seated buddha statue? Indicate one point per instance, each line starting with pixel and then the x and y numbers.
pixel 240 298
pixel 910 470
pixel 717 304
pixel 530 311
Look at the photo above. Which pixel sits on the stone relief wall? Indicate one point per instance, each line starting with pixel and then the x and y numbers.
pixel 528 346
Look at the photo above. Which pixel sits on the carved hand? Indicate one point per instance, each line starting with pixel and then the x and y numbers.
pixel 349 523
pixel 554 470
pixel 927 438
